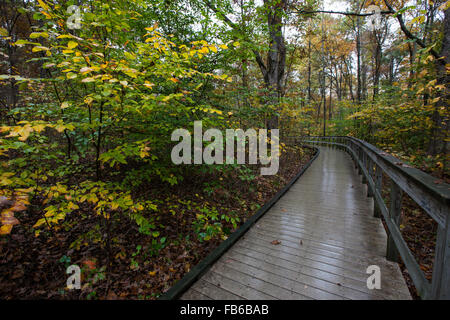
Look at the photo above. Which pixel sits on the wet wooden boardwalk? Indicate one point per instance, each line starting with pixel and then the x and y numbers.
pixel 328 237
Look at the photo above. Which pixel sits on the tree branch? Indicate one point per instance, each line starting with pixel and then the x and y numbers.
pixel 409 34
pixel 234 26
pixel 391 10
pixel 339 12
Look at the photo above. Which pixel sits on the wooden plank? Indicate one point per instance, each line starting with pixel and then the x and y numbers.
pixel 370 170
pixel 353 289
pixel 328 239
pixel 421 283
pixel 181 286
pixel 260 285
pixel 391 282
pixel 213 291
pixel 193 294
pixel 394 214
pixel 362 245
pixel 320 233
pixel 433 198
pixel 230 283
pixel 281 277
pixel 441 270
pixel 378 186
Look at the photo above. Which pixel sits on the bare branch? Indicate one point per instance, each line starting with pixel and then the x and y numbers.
pixel 410 35
pixel 339 12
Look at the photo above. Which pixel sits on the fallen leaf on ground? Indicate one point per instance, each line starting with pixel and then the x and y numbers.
pixel 275 242
pixel 112 296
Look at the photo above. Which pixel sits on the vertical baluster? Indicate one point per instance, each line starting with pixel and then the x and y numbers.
pixel 378 184
pixel 440 286
pixel 370 170
pixel 359 159
pixel 394 215
pixel 364 163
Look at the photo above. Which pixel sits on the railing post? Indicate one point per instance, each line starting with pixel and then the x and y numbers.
pixel 364 163
pixel 440 286
pixel 359 154
pixel 370 170
pixel 378 184
pixel 394 215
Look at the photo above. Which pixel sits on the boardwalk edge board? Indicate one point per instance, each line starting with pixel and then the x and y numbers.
pixel 184 283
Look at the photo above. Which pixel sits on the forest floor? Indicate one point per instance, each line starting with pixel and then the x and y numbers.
pixel 419 231
pixel 140 267
pixel 144 268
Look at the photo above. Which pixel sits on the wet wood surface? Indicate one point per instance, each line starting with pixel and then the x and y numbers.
pixel 316 242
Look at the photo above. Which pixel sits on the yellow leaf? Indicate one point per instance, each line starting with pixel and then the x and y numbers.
pixel 72 44
pixel 43 5
pixel 39 127
pixel 65 105
pixel 114 205
pixel 35 35
pixel 60 128
pixel 39 48
pixel 88 100
pixel 46 14
pixel 6 229
pixel 25 133
pixel 435 100
pixel 85 70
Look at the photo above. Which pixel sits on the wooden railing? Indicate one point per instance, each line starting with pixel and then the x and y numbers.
pixel 433 198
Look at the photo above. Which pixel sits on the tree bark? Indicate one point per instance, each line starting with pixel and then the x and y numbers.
pixel 438 143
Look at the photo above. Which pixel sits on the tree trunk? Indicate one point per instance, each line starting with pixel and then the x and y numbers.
pixel 440 129
pixel 358 60
pixel 309 69
pixel 276 57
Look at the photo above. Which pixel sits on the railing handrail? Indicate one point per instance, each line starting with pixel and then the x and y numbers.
pixel 433 198
pixel 441 191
